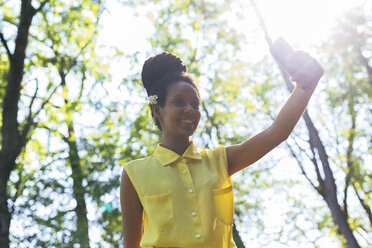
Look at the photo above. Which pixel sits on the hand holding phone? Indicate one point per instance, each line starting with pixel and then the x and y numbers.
pixel 303 69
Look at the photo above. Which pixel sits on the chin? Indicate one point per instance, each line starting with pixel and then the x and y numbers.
pixel 192 132
pixel 188 132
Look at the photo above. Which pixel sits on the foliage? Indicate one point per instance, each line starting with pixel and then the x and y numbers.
pixel 239 99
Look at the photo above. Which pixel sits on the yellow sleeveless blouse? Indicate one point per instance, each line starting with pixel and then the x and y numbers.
pixel 187 200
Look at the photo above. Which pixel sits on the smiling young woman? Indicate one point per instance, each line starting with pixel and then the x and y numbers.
pixel 180 197
pixel 180 115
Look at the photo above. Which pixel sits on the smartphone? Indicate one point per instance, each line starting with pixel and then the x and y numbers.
pixel 281 50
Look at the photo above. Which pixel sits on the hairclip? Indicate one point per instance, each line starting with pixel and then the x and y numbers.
pixel 152 99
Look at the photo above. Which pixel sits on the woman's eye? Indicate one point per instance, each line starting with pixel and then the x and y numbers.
pixel 179 102
pixel 182 103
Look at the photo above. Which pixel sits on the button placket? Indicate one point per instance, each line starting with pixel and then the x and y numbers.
pixel 185 172
pixel 190 191
pixel 183 166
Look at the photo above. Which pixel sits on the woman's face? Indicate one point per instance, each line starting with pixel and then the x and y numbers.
pixel 180 115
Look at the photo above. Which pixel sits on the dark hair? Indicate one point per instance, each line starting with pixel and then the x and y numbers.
pixel 161 71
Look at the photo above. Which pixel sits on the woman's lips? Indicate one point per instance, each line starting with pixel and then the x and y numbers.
pixel 188 123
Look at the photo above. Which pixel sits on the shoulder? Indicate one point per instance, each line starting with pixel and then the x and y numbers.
pixel 136 166
pixel 218 152
pixel 135 170
pixel 139 162
pixel 218 161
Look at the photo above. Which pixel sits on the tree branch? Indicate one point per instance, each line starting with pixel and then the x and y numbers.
pixel 32 101
pixel 30 119
pixel 315 162
pixel 51 130
pixel 304 151
pixel 318 189
pixel 349 153
pixel 262 23
pixel 47 99
pixel 366 65
pixel 41 6
pixel 365 206
pixel 347 184
pixel 210 119
pixel 5 44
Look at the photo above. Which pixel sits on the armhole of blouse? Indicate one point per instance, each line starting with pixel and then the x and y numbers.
pixel 138 195
pixel 130 176
pixel 226 165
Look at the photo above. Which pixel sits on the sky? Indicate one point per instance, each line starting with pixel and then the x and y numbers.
pixel 301 22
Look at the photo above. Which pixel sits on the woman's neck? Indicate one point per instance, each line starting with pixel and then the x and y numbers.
pixel 179 146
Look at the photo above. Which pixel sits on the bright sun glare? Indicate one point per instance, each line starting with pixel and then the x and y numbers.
pixel 303 22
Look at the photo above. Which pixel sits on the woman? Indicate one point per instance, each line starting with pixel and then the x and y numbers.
pixel 179 197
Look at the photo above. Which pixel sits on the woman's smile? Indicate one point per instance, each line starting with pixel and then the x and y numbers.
pixel 189 124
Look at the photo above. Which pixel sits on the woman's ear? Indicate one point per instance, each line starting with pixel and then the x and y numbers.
pixel 155 110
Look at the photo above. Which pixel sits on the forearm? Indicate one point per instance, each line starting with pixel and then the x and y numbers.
pixel 290 113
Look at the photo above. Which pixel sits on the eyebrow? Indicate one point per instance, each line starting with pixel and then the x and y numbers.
pixel 180 95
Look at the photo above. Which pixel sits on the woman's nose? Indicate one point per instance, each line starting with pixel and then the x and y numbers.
pixel 188 108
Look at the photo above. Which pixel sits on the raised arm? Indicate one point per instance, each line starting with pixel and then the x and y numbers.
pixel 131 210
pixel 244 154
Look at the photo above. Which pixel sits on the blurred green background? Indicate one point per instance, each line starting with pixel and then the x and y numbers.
pixel 73 111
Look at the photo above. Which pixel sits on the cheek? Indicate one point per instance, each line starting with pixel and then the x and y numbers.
pixel 198 116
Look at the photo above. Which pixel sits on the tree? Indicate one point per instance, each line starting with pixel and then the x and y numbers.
pixel 315 151
pixel 72 46
pixel 62 49
pixel 14 134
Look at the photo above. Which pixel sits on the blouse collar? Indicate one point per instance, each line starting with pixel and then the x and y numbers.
pixel 166 156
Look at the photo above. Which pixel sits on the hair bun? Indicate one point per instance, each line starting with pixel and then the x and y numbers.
pixel 156 67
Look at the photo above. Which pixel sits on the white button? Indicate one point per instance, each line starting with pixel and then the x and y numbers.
pixel 190 190
pixel 197 236
pixel 193 213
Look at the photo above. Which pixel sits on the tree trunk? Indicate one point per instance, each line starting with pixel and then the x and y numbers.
pixel 237 239
pixel 12 142
pixel 330 189
pixel 82 230
pixel 4 210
